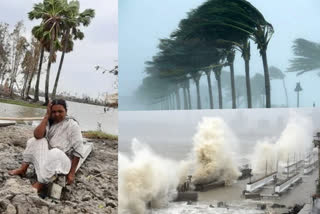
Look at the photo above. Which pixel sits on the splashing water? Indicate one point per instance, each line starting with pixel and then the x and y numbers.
pixel 294 142
pixel 148 179
pixel 214 158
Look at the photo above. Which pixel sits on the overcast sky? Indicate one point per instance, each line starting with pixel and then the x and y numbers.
pixel 170 132
pixel 99 47
pixel 142 23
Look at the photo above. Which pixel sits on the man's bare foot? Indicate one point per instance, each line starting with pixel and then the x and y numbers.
pixel 38 186
pixel 19 171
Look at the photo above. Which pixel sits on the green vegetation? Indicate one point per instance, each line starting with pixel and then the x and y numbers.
pixel 22 103
pixel 204 43
pixel 61 23
pixel 99 135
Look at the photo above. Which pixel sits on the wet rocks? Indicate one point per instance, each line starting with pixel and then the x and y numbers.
pixel 261 206
pixel 222 204
pixel 295 209
pixel 278 205
pixel 95 189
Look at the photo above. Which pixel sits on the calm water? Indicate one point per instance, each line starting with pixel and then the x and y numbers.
pixel 88 115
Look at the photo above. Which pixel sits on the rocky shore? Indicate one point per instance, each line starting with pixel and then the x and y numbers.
pixel 95 189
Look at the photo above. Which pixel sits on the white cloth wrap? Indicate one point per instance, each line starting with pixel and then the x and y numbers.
pixel 48 155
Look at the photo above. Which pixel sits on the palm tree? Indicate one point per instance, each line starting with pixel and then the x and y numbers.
pixel 307 56
pixel 217 74
pixel 208 74
pixel 234 21
pixel 52 13
pixel 38 33
pixel 72 22
pixel 276 73
pixel 230 61
pixel 262 37
pixel 258 89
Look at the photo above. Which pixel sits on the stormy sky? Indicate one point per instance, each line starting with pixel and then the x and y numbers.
pixel 142 23
pixel 99 47
pixel 171 132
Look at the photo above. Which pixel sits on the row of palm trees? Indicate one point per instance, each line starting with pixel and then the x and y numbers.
pixel 204 43
pixel 60 26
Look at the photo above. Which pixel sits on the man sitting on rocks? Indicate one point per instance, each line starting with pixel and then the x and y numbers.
pixel 56 147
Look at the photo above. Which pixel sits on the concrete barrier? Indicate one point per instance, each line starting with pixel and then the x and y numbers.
pixel 284 185
pixel 253 186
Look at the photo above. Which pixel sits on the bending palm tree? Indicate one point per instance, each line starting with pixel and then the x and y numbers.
pixel 38 33
pixel 71 24
pixel 276 73
pixel 52 13
pixel 307 56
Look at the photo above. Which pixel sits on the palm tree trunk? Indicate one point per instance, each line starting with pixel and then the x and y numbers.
pixel 178 98
pixel 266 78
pixel 298 99
pixel 188 92
pixel 246 58
pixel 54 91
pixel 48 68
pixel 247 69
pixel 208 73
pixel 285 91
pixel 197 81
pixel 185 104
pixel 36 91
pixel 220 91
pixel 172 101
pixel 233 88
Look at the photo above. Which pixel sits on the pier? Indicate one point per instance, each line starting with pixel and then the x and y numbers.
pixel 255 185
pixel 293 167
pixel 284 185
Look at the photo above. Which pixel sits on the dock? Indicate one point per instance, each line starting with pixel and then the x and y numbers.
pixel 293 167
pixel 284 185
pixel 259 183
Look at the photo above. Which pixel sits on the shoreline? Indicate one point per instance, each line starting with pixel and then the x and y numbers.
pixel 39 104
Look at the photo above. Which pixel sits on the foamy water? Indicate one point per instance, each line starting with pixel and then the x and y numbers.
pixel 208 208
pixel 147 177
pixel 214 154
pixel 293 144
